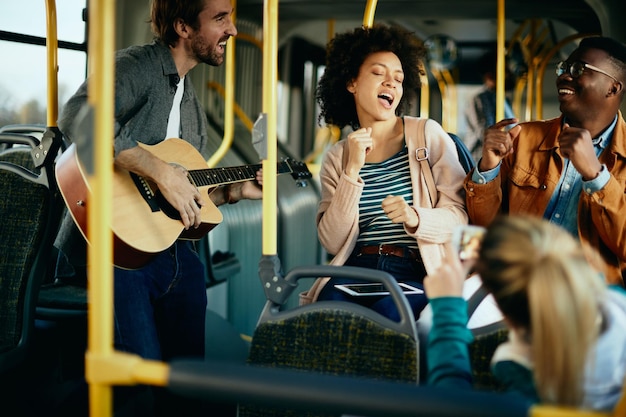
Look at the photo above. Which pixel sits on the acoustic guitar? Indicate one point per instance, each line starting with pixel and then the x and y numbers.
pixel 144 223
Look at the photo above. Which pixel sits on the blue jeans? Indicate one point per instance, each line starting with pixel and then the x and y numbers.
pixel 160 309
pixel 402 269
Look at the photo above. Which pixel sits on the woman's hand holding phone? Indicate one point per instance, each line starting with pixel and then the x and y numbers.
pixel 448 279
pixel 461 254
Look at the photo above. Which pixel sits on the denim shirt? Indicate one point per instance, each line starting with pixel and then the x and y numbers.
pixel 563 206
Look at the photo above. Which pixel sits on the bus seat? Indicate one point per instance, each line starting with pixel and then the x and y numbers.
pixel 486 322
pixel 296 210
pixel 30 210
pixel 481 351
pixel 489 329
pixel 58 302
pixel 335 337
pixel 465 156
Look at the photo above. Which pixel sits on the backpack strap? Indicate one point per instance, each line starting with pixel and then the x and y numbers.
pixel 418 125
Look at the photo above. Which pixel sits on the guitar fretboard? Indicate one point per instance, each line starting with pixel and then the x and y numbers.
pixel 228 175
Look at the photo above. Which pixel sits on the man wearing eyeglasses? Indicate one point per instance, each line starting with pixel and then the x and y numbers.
pixel 570 170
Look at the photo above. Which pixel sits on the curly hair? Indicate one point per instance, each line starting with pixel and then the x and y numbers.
pixel 345 54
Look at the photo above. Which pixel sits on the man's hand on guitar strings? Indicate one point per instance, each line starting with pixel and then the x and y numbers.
pixel 183 196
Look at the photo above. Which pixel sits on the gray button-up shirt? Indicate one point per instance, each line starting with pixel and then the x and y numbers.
pixel 145 83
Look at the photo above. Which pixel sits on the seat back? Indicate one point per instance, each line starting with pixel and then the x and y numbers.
pixel 30 210
pixel 336 337
pixel 481 351
pixel 465 156
pixel 489 329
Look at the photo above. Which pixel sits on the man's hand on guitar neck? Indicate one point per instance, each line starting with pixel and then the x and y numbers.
pixel 171 181
pixel 250 190
pixel 234 192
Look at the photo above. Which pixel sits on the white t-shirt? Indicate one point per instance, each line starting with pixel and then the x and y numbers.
pixel 173 122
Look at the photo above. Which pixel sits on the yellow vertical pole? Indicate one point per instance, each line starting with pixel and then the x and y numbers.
pixel 543 63
pixel 532 71
pixel 370 11
pixel 270 107
pixel 52 63
pixel 501 45
pixel 99 213
pixel 450 113
pixel 441 83
pixel 229 100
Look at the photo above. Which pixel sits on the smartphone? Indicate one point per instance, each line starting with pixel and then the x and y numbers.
pixel 369 289
pixel 467 240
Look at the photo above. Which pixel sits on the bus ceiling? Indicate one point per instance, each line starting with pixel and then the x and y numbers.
pixel 583 16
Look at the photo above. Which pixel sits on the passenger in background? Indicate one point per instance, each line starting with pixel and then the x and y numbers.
pixel 160 309
pixel 571 169
pixel 480 113
pixel 375 211
pixel 567 330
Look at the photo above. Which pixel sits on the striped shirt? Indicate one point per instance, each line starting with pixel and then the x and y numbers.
pixel 390 177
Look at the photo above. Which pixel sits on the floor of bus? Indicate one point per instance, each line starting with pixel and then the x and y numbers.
pixel 51 382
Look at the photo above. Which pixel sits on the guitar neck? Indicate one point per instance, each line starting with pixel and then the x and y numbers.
pixel 229 175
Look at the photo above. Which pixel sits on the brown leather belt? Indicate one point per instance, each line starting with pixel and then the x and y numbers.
pixel 400 251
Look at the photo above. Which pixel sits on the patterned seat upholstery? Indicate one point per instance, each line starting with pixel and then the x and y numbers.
pixel 481 351
pixel 337 338
pixel 29 209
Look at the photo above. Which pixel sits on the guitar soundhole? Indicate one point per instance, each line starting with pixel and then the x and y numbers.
pixel 166 207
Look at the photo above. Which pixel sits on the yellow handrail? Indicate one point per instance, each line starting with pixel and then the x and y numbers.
pixel 270 106
pixel 52 63
pixel 250 39
pixel 541 69
pixel 450 115
pixel 500 41
pixel 370 11
pixel 424 93
pixel 239 112
pixel 556 411
pixel 99 213
pixel 229 100
pixel 437 74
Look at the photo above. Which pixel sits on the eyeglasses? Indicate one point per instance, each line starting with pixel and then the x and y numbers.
pixel 577 68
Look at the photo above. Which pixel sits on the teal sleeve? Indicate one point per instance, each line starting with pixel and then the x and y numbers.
pixel 516 379
pixel 447 354
pixel 617 288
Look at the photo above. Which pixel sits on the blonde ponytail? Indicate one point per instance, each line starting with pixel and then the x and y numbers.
pixel 539 277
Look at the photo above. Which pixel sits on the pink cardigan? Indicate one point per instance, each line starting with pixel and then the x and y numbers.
pixel 338 210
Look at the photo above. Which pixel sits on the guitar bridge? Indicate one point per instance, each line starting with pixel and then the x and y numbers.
pixel 145 191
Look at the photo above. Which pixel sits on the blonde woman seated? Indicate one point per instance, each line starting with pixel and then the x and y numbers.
pixel 567 343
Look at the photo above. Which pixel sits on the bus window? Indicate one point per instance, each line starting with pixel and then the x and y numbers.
pixel 23 77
